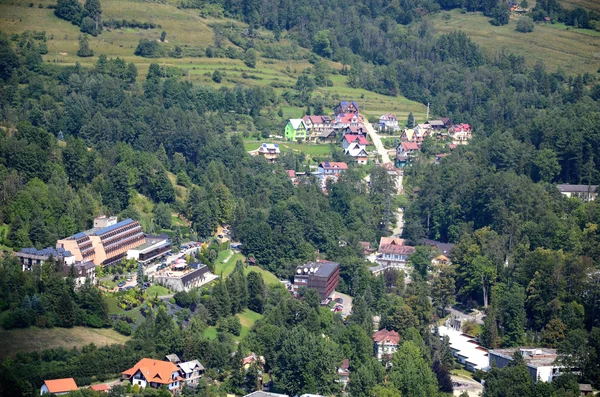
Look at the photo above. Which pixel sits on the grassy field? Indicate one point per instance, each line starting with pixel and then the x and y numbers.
pixel 184 28
pixel 574 50
pixel 587 4
pixel 308 148
pixel 247 319
pixel 225 269
pixel 36 339
pixel 157 289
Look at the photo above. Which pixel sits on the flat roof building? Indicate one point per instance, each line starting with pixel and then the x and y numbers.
pixel 154 247
pixel 105 245
pixel 466 349
pixel 179 281
pixel 323 276
pixel 540 362
pixel 30 257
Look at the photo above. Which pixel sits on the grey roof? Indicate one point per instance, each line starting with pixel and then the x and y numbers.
pixel 174 358
pixel 585 387
pixel 445 248
pixel 49 251
pixel 535 357
pixel 189 366
pixel 325 269
pixel 194 274
pixel 85 265
pixel 265 394
pixel 577 188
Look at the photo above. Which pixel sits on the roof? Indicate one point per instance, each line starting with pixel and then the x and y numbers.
pixel 355 149
pixel 252 358
pixel 466 346
pixel 265 394
pixel 291 173
pixel 406 146
pixel 50 251
pixel 436 122
pixel 61 385
pixel 110 228
pixel 388 116
pixel 346 104
pixel 345 364
pixel 333 165
pixel 100 387
pixel 442 258
pixel 296 123
pixel 189 366
pixel 326 269
pixel 585 387
pixel 535 357
pixel 154 370
pixel 391 240
pixel 194 274
pixel 385 336
pixel 174 358
pixel 445 248
pixel 326 133
pixel 566 188
pixel 317 119
pixel 396 249
pixel 355 137
pixel 345 117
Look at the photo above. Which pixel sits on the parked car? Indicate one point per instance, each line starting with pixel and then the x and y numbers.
pixel 122 283
pixel 129 278
pixel 169 253
pixel 220 236
pixel 339 300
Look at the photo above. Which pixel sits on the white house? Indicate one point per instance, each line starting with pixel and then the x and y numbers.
pixel 583 192
pixel 154 373
pixel 332 167
pixel 389 121
pixel 58 386
pixel 191 371
pixel 386 343
pixel 460 134
pixel 466 349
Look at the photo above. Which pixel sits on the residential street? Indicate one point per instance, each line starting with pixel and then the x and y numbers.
pixel 385 158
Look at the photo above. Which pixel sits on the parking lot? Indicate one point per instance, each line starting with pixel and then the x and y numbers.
pixel 342 300
pixel 172 258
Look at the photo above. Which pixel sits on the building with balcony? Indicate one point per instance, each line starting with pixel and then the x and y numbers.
pixel 154 248
pixel 30 257
pixel 107 244
pixel 540 362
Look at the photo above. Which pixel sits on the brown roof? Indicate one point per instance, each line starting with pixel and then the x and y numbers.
pixel 410 146
pixel 585 387
pixel 396 249
pixel 391 240
pixel 154 370
pixel 384 335
pixel 61 385
pixel 345 364
pixel 100 387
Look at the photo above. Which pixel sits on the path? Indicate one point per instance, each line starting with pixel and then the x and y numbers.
pixel 385 157
pixel 399 222
pixel 462 384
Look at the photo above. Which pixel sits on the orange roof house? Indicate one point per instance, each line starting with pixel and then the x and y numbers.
pixel 102 387
pixel 58 386
pixel 154 373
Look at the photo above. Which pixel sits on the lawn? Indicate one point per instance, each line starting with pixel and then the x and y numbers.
pixel 225 269
pixel 247 319
pixel 37 339
pixel 574 50
pixel 308 148
pixel 157 289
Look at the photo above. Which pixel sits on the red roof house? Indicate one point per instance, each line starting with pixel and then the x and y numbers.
pixel 386 343
pixel 58 386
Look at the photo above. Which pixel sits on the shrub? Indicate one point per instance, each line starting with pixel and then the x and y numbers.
pixel 525 25
pixel 148 49
pixel 122 327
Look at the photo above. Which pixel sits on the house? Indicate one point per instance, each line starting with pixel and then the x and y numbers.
pixel 251 359
pixel 447 122
pixel 444 248
pixel 460 134
pixel 344 120
pixel 295 129
pixel 344 373
pixel 405 151
pixel 154 248
pixel 324 276
pixel 106 243
pixel 366 247
pixel 270 151
pixel 191 372
pixel 585 389
pixel 540 362
pixel 58 386
pixel 349 139
pixel 583 192
pixel 327 135
pixel 346 107
pixel 386 343
pixel 440 260
pixel 355 146
pixel 184 280
pixel 332 167
pixel 102 388
pixel 407 135
pixel 389 121
pixel 154 373
pixel 83 271
pixel 315 125
pixel 355 129
pixel 392 254
pixel 30 257
pixel 421 131
pixel 465 349
pixel 436 124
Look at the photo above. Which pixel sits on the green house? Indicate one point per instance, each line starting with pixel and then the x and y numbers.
pixel 295 129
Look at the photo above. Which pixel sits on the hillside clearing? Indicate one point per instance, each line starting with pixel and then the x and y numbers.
pixel 36 339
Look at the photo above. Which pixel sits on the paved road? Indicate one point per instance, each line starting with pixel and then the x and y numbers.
pixel 399 223
pixel 461 384
pixel 385 158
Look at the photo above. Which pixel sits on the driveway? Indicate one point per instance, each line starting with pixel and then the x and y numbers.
pixel 346 302
pixel 170 259
pixel 385 157
pixel 399 223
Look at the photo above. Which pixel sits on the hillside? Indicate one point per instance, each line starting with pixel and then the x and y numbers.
pixel 187 29
pixel 573 50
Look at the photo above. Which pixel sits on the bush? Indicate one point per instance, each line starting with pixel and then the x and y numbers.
pixel 230 324
pixel 525 25
pixel 148 49
pixel 217 76
pixel 122 327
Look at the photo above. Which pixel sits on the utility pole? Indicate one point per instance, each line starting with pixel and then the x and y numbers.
pixel 427 111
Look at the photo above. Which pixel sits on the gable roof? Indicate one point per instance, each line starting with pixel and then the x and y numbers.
pixel 154 370
pixel 345 117
pixel 358 138
pixel 189 366
pixel 406 146
pixel 174 358
pixel 388 116
pixel 391 240
pixel 61 385
pixel 439 123
pixel 100 387
pixel 385 336
pixel 566 188
pixel 396 249
pixel 296 123
pixel 333 165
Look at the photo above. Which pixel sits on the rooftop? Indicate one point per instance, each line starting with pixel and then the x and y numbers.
pixel 154 370
pixel 331 165
pixel 466 346
pixel 537 357
pixel 50 251
pixel 265 394
pixel 567 188
pixel 108 229
pixel 383 335
pixel 319 269
pixel 445 248
pixel 61 385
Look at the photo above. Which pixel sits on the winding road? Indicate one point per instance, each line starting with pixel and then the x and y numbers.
pixel 385 157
